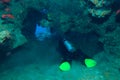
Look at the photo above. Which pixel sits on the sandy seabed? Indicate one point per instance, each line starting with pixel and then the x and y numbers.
pixel 40 61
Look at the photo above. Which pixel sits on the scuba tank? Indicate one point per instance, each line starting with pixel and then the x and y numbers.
pixel 68 45
pixel 66 49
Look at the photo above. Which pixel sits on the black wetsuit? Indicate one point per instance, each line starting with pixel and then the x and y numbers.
pixel 69 56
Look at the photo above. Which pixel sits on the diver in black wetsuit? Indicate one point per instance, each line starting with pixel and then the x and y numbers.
pixel 69 53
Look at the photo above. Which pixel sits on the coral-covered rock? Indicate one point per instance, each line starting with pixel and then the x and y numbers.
pixel 64 22
pixel 111 42
pixel 18 39
pixel 10 38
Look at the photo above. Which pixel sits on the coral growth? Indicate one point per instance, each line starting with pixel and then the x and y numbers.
pixel 100 13
pixel 4 35
pixel 100 8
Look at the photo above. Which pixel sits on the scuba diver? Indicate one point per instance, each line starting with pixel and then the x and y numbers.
pixel 42 30
pixel 69 53
pixel 43 27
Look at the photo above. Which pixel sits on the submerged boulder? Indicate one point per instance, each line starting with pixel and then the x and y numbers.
pixel 10 38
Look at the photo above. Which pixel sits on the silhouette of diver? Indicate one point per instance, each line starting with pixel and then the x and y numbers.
pixel 69 53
